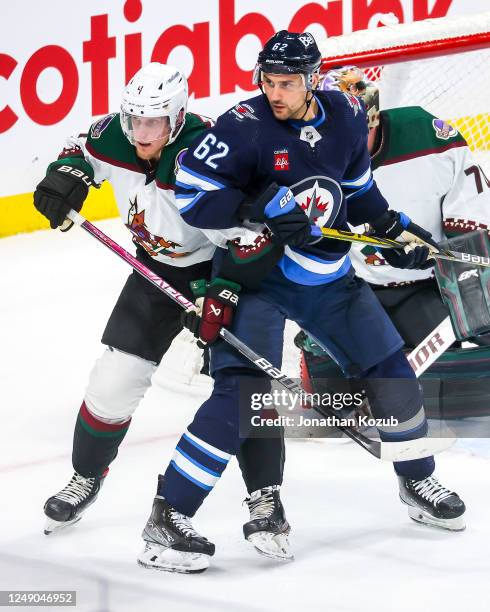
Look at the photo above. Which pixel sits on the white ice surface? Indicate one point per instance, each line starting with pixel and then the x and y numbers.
pixel 355 547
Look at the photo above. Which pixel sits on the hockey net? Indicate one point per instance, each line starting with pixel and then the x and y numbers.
pixel 440 64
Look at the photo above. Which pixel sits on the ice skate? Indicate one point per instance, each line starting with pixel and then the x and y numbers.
pixel 268 527
pixel 171 542
pixel 68 505
pixel 432 504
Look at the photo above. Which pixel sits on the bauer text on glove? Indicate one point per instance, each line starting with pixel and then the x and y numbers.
pixel 277 208
pixel 62 189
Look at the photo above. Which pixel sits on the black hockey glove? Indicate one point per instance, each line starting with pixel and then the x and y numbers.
pixel 248 265
pixel 216 302
pixel 62 189
pixel 416 252
pixel 277 208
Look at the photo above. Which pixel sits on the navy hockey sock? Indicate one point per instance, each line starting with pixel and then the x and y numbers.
pixel 95 443
pixel 393 390
pixel 204 450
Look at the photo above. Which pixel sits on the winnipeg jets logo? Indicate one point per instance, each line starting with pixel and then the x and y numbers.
pixel 320 197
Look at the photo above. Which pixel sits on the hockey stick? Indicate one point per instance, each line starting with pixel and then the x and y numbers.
pixel 386 451
pixel 432 347
pixel 386 243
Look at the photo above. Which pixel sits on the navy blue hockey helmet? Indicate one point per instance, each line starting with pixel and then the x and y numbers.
pixel 289 53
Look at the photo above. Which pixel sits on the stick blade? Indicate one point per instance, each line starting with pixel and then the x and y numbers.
pixel 414 449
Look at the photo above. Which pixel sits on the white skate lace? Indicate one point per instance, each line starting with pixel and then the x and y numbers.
pixel 431 490
pixel 183 523
pixel 78 489
pixel 261 503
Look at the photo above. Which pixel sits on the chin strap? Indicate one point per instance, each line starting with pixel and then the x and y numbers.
pixel 308 104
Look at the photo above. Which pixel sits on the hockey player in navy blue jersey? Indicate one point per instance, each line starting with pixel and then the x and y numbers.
pixel 272 167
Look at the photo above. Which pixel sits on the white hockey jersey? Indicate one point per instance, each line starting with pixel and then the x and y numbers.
pixel 425 169
pixel 146 203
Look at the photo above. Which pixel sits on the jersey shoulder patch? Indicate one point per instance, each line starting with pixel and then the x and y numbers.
pixel 250 110
pixel 443 130
pixel 243 111
pixel 107 142
pixel 98 128
pixel 414 132
pixel 346 110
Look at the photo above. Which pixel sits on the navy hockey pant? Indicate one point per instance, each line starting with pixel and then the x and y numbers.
pixel 348 321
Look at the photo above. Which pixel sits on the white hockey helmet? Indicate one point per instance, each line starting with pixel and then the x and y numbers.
pixel 156 91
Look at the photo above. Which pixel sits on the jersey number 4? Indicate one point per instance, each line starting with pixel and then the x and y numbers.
pixel 210 145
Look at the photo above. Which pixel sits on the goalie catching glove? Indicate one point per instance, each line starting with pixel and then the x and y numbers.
pixel 416 252
pixel 216 302
pixel 64 188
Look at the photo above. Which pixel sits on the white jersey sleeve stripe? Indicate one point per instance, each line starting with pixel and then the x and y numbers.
pixel 191 180
pixel 359 181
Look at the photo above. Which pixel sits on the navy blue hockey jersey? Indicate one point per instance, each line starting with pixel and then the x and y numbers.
pixel 325 162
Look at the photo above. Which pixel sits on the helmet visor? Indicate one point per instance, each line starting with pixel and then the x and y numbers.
pixel 144 130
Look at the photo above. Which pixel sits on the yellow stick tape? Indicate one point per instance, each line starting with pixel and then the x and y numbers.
pixel 17 213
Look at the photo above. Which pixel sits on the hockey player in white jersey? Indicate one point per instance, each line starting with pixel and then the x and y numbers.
pixel 139 151
pixel 424 165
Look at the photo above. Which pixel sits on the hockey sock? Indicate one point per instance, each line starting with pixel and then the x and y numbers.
pixel 95 443
pixel 393 390
pixel 261 461
pixel 204 450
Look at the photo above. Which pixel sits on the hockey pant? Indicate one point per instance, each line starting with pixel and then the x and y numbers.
pixel 141 328
pixel 351 325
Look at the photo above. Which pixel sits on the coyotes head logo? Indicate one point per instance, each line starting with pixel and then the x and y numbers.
pixel 153 245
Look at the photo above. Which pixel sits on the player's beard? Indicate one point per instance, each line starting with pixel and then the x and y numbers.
pixel 283 111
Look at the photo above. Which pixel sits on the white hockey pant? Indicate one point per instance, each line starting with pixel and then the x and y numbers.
pixel 117 384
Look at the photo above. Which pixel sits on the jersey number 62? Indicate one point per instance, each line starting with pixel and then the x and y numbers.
pixel 208 145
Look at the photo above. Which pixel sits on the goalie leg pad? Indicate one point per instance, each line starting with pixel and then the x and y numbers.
pixel 465 287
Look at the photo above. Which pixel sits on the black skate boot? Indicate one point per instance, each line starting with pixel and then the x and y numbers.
pixel 432 504
pixel 268 529
pixel 172 544
pixel 67 506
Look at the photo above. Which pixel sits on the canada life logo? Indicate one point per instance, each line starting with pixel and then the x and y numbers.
pixel 101 48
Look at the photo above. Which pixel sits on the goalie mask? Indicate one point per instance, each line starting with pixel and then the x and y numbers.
pixel 154 104
pixel 289 53
pixel 351 79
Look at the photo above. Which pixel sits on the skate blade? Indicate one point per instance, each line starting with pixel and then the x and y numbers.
pixel 421 516
pixel 273 546
pixel 51 525
pixel 164 559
